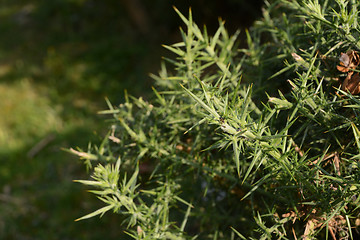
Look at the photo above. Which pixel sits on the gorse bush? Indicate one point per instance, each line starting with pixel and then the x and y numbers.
pixel 254 143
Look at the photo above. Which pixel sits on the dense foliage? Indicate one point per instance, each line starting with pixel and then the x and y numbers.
pixel 260 143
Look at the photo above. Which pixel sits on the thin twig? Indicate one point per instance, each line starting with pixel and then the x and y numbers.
pixel 40 145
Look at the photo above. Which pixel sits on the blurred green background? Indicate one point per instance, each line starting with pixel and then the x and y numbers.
pixel 59 59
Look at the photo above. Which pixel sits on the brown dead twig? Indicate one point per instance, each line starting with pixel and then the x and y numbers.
pixel 314 221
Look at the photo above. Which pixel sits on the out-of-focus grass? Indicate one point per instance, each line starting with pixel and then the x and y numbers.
pixel 58 60
pixel 27 115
